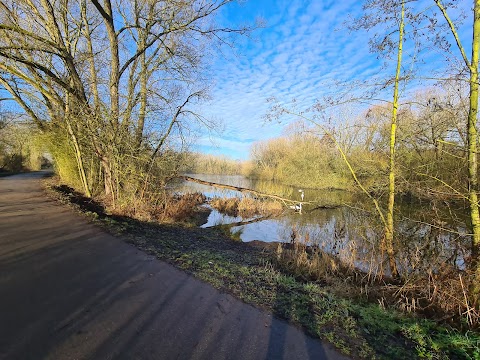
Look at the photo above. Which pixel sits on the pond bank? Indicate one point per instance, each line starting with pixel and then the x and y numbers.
pixel 323 308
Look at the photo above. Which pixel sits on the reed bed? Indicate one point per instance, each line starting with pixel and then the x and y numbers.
pixel 246 207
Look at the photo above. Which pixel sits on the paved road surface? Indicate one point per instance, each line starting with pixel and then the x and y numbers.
pixel 68 290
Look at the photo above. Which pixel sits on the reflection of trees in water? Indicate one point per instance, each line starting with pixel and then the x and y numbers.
pixel 354 236
pixel 270 187
pixel 345 233
pixel 431 235
pixel 428 235
pixel 267 187
pixel 424 247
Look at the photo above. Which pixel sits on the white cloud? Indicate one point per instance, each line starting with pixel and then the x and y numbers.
pixel 302 51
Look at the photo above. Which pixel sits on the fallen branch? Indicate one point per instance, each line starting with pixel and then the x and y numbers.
pixel 240 189
pixel 285 201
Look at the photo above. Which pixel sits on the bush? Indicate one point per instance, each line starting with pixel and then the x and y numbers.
pixel 20 148
pixel 12 163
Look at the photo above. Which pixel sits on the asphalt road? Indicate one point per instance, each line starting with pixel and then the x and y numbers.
pixel 68 290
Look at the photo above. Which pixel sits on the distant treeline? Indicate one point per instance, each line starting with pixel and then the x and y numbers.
pixel 430 150
pixel 211 164
pixel 305 160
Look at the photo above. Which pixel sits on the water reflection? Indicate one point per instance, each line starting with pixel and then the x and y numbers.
pixel 352 233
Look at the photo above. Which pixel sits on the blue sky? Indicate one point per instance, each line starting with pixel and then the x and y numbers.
pixel 301 52
pixel 303 49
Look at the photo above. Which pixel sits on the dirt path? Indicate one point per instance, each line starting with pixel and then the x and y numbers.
pixel 68 290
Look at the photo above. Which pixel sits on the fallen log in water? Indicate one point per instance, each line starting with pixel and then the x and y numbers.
pixel 240 189
pixel 285 201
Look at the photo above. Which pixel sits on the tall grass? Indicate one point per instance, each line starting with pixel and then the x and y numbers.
pixel 439 292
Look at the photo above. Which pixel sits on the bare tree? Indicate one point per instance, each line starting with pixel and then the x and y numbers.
pixel 472 135
pixel 394 13
pixel 100 71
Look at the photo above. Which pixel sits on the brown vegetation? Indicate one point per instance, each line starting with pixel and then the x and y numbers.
pixel 171 208
pixel 430 150
pixel 440 294
pixel 301 159
pixel 246 207
pixel 168 208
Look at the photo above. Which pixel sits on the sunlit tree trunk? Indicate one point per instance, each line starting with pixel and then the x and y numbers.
pixel 143 99
pixel 472 146
pixel 389 230
pixel 114 69
pixel 77 150
pixel 472 155
pixel 106 161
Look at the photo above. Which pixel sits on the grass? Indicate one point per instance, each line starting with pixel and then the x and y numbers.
pixel 355 327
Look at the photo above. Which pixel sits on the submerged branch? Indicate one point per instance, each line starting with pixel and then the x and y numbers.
pixel 240 223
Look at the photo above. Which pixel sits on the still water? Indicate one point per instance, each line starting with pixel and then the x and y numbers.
pixel 345 225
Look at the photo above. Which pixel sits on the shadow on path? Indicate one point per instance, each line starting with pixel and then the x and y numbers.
pixel 68 290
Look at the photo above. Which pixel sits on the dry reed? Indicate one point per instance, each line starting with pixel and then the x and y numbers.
pixel 441 295
pixel 164 207
pixel 246 207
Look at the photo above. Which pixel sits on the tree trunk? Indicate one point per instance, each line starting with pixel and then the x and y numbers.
pixel 389 228
pixel 472 158
pixel 77 150
pixel 108 178
pixel 143 101
pixel 472 145
pixel 114 68
pixel 91 59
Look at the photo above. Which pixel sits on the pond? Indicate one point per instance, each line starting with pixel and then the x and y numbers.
pixel 345 225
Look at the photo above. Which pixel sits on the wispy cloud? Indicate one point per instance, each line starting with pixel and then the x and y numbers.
pixel 303 50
